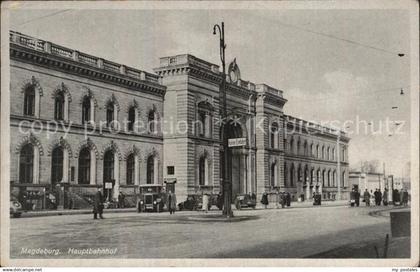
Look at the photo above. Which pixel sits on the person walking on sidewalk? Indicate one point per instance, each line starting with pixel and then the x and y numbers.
pixel 366 198
pixel 98 205
pixel 264 200
pixel 171 202
pixel 205 203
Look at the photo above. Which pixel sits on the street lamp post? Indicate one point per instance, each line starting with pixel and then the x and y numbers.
pixel 227 208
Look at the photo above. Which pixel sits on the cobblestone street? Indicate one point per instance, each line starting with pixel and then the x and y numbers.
pixel 271 233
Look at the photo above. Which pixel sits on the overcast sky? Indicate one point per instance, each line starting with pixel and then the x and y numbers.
pixel 323 78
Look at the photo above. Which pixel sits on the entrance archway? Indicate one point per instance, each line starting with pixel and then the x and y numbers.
pixel 237 161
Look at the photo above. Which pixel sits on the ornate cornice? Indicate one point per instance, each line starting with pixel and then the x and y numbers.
pixel 69 65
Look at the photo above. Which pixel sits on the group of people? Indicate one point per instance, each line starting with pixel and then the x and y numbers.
pixel 377 197
pixel 282 199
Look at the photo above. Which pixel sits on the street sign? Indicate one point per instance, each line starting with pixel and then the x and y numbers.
pixel 108 185
pixel 236 142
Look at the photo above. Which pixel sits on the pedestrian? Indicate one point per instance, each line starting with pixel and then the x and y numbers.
pixel 385 197
pixel 282 199
pixel 278 199
pixel 121 200
pixel 405 197
pixel 219 200
pixel 357 198
pixel 171 202
pixel 205 203
pixel 264 200
pixel 402 197
pixel 288 199
pixel 98 205
pixel 366 198
pixel 379 197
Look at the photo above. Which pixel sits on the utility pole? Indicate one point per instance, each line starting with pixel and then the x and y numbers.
pixel 227 195
pixel 338 167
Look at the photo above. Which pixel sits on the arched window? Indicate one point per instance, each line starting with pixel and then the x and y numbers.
pixel 343 154
pixel 273 175
pixel 305 148
pixel 26 164
pixel 323 178
pixel 312 175
pixel 299 174
pixel 285 173
pixel 311 150
pixel 131 118
pixel 328 179
pixel 343 176
pixel 59 106
pixel 108 166
pixel 204 114
pixel 333 153
pixel 298 147
pixel 29 101
pixel 323 152
pixel 152 122
pixel 202 171
pixel 328 153
pixel 150 170
pixel 274 134
pixel 84 166
pixel 292 175
pixel 109 113
pixel 86 110
pixel 291 146
pixel 57 165
pixel 334 178
pixel 130 169
pixel 202 124
pixel 318 177
pixel 317 151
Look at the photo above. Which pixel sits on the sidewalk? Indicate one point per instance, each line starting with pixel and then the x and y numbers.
pixel 294 205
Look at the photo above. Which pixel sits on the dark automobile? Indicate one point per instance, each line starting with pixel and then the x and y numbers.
pixel 245 201
pixel 317 199
pixel 15 208
pixel 195 202
pixel 151 198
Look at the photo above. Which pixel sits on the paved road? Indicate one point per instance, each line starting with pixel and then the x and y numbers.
pixel 271 233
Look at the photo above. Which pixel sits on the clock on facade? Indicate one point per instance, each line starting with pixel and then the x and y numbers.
pixel 234 72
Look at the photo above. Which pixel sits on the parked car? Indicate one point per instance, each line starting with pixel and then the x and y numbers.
pixel 15 208
pixel 151 198
pixel 245 201
pixel 195 202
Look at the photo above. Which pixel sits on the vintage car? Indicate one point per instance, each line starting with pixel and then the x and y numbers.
pixel 195 202
pixel 15 208
pixel 152 198
pixel 245 201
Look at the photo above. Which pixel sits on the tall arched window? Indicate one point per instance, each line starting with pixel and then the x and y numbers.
pixel 29 101
pixel 328 153
pixel 291 146
pixel 299 174
pixel 273 175
pixel 57 165
pixel 130 169
pixel 305 148
pixel 109 113
pixel 333 154
pixel 59 106
pixel 318 177
pixel 202 171
pixel 292 175
pixel 108 166
pixel 26 164
pixel 311 150
pixel 298 147
pixel 317 151
pixel 131 118
pixel 274 134
pixel 306 175
pixel 312 175
pixel 329 180
pixel 202 123
pixel 84 166
pixel 343 176
pixel 286 174
pixel 323 178
pixel 334 178
pixel 152 122
pixel 86 110
pixel 323 152
pixel 150 170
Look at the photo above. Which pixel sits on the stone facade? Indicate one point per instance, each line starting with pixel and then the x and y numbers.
pixel 183 101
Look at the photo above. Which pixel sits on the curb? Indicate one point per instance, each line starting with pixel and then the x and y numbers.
pixel 71 212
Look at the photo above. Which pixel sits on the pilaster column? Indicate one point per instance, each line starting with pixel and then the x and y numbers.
pixel 308 192
pixel 37 104
pixel 206 171
pixel 92 110
pixel 136 170
pixel 36 165
pixel 66 108
pixel 65 165
pixel 155 170
pixel 116 175
pixel 92 167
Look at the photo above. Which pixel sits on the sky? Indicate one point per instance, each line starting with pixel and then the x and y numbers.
pixel 332 65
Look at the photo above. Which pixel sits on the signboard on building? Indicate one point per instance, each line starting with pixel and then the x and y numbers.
pixel 237 142
pixel 108 185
